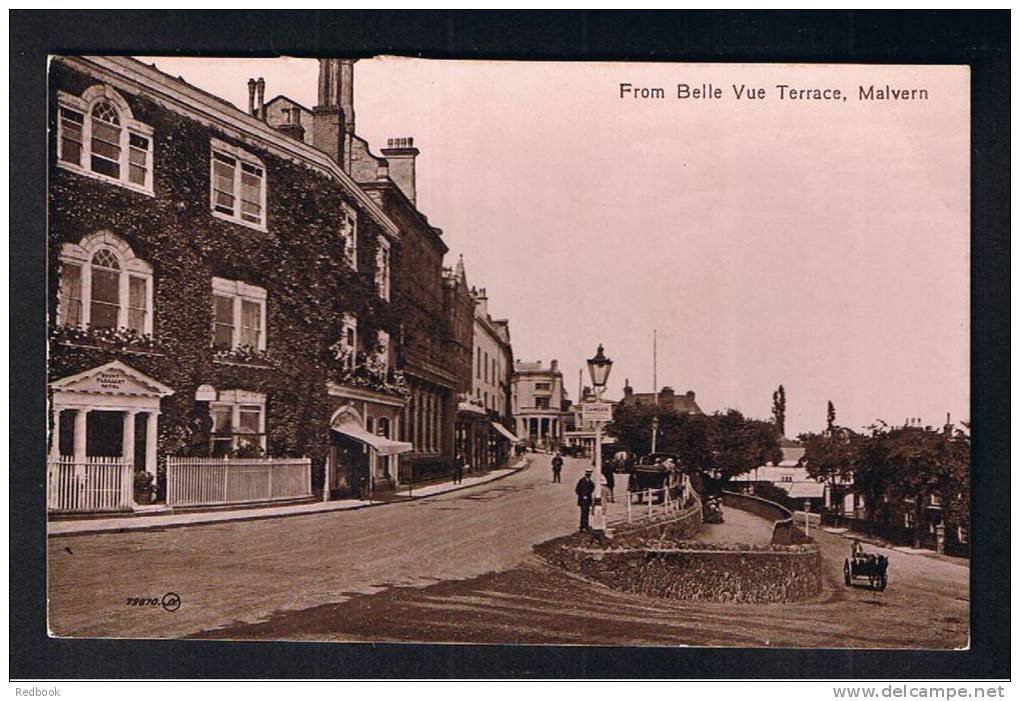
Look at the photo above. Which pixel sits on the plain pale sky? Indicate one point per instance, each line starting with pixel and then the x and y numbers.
pixel 821 245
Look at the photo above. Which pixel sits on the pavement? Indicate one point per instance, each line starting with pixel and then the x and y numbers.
pixel 456 567
pixel 252 513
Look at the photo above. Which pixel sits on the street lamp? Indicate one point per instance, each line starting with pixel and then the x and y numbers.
pixel 655 431
pixel 599 367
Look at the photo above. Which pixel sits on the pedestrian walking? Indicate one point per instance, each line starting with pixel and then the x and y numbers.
pixel 458 469
pixel 557 467
pixel 585 489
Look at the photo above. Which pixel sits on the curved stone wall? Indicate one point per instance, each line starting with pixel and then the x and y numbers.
pixel 784 532
pixel 654 558
pixel 696 571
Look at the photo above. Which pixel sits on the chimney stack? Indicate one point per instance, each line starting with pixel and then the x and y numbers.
pixel 251 96
pixel 482 303
pixel 260 97
pixel 554 365
pixel 333 117
pixel 400 154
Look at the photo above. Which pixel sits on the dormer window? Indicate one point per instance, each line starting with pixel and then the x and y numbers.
pixel 238 186
pixel 98 137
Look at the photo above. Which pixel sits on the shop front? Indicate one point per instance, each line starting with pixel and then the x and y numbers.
pixel 363 455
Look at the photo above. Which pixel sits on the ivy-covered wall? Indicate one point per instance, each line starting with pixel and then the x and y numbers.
pixel 299 261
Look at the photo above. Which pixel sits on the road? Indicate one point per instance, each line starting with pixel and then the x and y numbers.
pixel 456 567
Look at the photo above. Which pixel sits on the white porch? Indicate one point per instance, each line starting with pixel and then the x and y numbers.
pixel 92 400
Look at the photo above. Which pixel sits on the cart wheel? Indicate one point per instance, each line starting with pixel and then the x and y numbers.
pixel 846 572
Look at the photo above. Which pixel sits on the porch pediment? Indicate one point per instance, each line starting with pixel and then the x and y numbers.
pixel 114 378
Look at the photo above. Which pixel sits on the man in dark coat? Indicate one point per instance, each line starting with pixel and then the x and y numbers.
pixel 585 489
pixel 557 467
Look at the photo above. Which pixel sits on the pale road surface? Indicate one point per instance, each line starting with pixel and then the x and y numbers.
pixel 458 567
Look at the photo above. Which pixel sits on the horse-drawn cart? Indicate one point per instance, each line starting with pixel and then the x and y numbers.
pixel 870 566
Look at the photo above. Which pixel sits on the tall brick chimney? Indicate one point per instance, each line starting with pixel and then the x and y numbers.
pixel 333 117
pixel 400 154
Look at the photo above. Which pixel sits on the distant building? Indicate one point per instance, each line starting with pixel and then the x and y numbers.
pixel 484 429
pixel 792 477
pixel 683 403
pixel 578 433
pixel 538 398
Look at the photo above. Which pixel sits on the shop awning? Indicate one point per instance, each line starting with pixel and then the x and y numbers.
pixel 384 446
pixel 506 433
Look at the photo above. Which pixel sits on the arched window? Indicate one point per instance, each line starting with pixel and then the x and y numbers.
pixel 103 285
pixel 98 137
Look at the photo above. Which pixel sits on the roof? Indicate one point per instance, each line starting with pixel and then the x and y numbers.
pixel 681 402
pixel 807 490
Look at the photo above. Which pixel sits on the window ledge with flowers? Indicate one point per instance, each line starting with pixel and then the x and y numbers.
pixel 109 339
pixel 370 373
pixel 245 355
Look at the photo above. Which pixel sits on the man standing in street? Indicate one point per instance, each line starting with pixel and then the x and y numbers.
pixel 585 489
pixel 557 467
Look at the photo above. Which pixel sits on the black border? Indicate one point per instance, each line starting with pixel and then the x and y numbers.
pixel 978 39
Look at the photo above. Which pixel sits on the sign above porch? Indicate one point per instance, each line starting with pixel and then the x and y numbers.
pixel 116 378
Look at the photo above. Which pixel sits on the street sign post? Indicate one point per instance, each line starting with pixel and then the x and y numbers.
pixel 597 412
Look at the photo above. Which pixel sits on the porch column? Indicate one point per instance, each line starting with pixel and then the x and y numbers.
pixel 80 431
pixel 55 435
pixel 128 449
pixel 151 439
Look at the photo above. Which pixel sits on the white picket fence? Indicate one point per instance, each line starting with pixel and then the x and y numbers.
pixel 205 481
pixel 93 484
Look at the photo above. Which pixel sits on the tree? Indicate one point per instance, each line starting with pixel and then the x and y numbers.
pixel 898 470
pixel 779 409
pixel 830 416
pixel 738 445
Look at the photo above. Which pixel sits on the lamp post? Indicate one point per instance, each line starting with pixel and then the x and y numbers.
pixel 599 367
pixel 655 431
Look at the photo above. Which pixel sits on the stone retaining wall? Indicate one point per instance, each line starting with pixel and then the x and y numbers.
pixel 654 559
pixel 698 571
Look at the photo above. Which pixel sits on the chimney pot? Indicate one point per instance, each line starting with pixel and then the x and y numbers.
pixel 251 96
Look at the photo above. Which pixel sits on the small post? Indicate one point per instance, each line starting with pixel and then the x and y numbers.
pixel 807 517
pixel 226 473
pixel 648 495
pixel 630 501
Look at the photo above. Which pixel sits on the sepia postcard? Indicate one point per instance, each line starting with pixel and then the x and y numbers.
pixel 509 352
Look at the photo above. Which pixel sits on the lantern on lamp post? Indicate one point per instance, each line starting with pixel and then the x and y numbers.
pixel 599 367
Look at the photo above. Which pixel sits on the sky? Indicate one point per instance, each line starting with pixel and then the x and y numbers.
pixel 818 244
